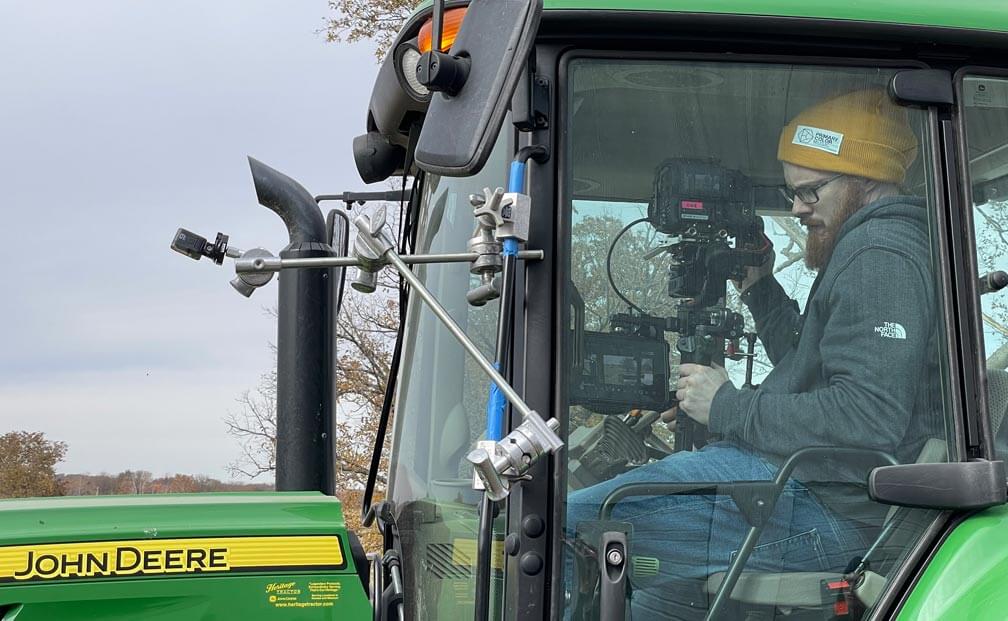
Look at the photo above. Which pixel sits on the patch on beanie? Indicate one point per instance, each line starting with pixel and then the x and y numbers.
pixel 818 138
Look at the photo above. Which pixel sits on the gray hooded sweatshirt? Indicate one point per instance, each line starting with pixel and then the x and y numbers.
pixel 858 369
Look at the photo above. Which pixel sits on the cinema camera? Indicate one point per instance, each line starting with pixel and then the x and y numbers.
pixel 709 212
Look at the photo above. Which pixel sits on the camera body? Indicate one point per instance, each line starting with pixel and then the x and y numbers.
pixel 704 200
pixel 712 211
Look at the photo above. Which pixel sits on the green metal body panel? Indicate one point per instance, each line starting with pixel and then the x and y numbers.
pixel 189 599
pixel 281 556
pixel 972 14
pixel 83 518
pixel 988 15
pixel 966 577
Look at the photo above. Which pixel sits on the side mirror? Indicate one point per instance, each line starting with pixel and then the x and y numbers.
pixel 974 484
pixel 459 130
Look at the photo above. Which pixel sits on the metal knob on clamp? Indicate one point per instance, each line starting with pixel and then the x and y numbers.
pixel 372 241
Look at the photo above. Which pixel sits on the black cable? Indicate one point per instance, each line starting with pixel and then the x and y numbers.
pixel 484 542
pixel 406 243
pixel 608 265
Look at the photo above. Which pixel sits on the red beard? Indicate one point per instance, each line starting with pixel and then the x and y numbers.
pixel 822 239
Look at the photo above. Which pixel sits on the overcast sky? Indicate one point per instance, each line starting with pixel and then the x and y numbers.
pixel 121 121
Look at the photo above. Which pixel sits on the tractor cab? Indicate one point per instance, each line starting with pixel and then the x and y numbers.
pixel 756 301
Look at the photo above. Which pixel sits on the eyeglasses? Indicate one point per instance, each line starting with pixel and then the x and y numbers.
pixel 808 194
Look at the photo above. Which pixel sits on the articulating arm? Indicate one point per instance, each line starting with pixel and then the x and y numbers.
pixel 515 454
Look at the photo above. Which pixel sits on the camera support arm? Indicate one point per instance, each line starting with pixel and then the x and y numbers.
pixel 517 452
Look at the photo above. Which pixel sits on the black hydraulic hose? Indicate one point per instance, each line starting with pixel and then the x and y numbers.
pixel 367 515
pixel 535 152
pixel 488 507
pixel 483 552
pixel 505 321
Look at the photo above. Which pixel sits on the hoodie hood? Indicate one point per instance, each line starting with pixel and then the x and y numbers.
pixel 907 209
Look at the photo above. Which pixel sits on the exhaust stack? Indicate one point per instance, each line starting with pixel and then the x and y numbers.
pixel 304 399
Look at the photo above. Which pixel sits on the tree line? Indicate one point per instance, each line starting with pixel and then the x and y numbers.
pixel 28 469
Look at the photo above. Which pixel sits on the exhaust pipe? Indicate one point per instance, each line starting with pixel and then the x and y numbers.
pixel 304 394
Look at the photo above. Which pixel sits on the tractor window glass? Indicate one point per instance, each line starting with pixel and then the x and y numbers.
pixel 441 408
pixel 753 323
pixel 985 110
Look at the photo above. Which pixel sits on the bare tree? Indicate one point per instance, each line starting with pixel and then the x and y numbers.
pixel 366 331
pixel 992 245
pixel 378 20
pixel 133 482
pixel 254 425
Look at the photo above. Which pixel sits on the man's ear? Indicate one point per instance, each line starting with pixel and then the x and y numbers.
pixel 876 189
pixel 865 184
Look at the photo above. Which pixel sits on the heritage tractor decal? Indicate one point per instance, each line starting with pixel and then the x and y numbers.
pixel 159 557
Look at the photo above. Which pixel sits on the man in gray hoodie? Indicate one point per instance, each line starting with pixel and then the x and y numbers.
pixel 856 370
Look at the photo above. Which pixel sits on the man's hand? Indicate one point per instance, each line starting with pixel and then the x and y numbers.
pixel 696 387
pixel 755 273
pixel 669 417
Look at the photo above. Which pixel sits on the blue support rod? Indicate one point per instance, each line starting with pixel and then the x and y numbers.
pixel 496 402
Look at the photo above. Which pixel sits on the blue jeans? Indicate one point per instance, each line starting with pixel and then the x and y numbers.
pixel 692 537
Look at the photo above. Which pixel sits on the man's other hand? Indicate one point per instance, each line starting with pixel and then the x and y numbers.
pixel 755 273
pixel 669 417
pixel 696 387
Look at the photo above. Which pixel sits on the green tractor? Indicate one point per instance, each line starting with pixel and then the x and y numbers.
pixel 700 320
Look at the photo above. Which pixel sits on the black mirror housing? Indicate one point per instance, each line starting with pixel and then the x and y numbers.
pixel 377 158
pixel 459 130
pixel 976 484
pixel 922 87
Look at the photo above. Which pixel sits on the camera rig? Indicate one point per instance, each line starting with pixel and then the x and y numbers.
pixel 709 213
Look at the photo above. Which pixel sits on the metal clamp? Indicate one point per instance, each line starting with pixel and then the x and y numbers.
pixel 507 214
pixel 488 249
pixel 372 241
pixel 246 283
pixel 499 216
pixel 515 454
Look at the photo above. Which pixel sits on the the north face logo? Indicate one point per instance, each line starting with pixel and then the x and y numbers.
pixel 891 330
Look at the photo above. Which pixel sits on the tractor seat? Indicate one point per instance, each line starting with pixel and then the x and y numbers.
pixel 806 589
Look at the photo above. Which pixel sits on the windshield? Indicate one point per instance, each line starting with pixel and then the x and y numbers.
pixel 441 408
pixel 755 321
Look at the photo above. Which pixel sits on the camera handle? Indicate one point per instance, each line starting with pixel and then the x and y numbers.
pixel 696 349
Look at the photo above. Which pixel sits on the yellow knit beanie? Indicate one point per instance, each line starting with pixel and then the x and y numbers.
pixel 861 133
